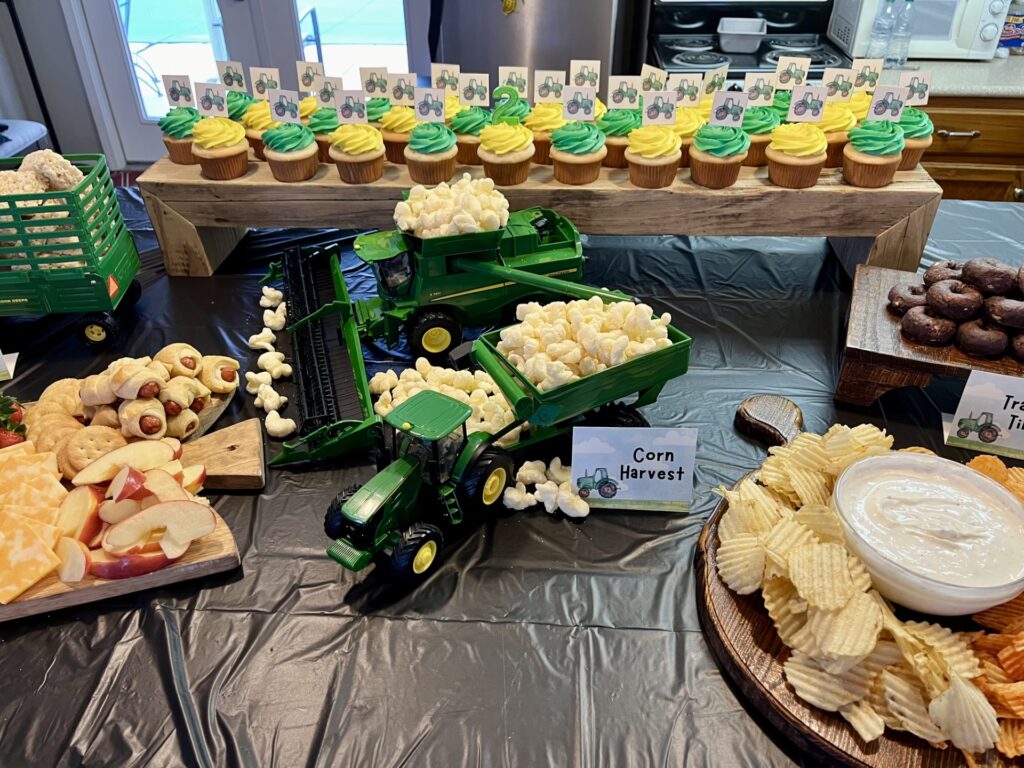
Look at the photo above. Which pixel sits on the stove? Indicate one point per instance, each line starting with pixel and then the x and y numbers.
pixel 695 53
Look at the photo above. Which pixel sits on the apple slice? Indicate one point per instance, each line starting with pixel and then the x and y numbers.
pixel 107 566
pixel 97 540
pixel 164 486
pixel 127 484
pixel 115 511
pixel 182 521
pixel 78 515
pixel 143 456
pixel 175 444
pixel 75 560
pixel 193 477
pixel 174 469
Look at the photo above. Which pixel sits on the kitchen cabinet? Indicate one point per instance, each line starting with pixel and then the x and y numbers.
pixel 978 149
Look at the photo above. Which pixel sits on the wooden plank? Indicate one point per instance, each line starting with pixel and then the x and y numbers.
pixel 233 456
pixel 190 250
pixel 211 554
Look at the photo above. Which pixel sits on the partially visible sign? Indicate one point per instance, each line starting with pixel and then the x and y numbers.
pixel 888 103
pixel 263 79
pixel 230 73
pixel 791 71
pixel 918 84
pixel 351 106
pixel 548 85
pixel 327 91
pixel 687 87
pixel 284 105
pixel 445 77
pixel 760 89
pixel 579 103
pixel 430 104
pixel 990 416
pixel 213 99
pixel 624 91
pixel 374 81
pixel 515 77
pixel 7 364
pixel 807 104
pixel 402 88
pixel 178 90
pixel 838 82
pixel 634 468
pixel 866 73
pixel 475 89
pixel 659 108
pixel 585 73
pixel 714 79
pixel 653 79
pixel 727 109
pixel 5 374
pixel 307 74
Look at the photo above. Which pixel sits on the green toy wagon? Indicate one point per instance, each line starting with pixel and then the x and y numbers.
pixel 68 253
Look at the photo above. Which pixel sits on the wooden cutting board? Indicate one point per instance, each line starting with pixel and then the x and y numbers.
pixel 233 457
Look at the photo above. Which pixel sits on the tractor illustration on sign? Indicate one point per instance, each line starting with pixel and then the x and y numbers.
pixel 285 105
pixel 211 100
pixel 230 76
pixel 403 90
pixel 988 431
pixel 600 482
pixel 579 104
pixel 889 103
pixel 308 77
pixel 729 108
pixel 327 91
pixel 687 91
pixel 714 84
pixel 807 104
pixel 447 80
pixel 179 92
pixel 865 76
pixel 264 83
pixel 516 81
pixel 586 76
pixel 759 89
pixel 652 82
pixel 430 104
pixel 352 107
pixel 792 73
pixel 375 82
pixel 550 87
pixel 918 87
pixel 659 107
pixel 625 92
pixel 474 90
pixel 839 85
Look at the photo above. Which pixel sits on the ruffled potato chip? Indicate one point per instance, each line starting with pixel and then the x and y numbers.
pixel 811 487
pixel 741 563
pixel 991 466
pixel 918 449
pixel 954 649
pixel 1011 738
pixel 1015 481
pixel 868 724
pixel 858 573
pixel 905 697
pixel 821 575
pixel 826 691
pixel 850 631
pixel 1007 698
pixel 1003 615
pixel 823 522
pixel 783 538
pixel 1011 658
pixel 992 643
pixel 964 714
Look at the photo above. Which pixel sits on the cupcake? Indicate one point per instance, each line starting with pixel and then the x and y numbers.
pixel 600 108
pixel 506 150
pixel 358 151
pixel 704 107
pixel 616 126
pixel 322 123
pixel 780 104
pixel 177 129
pixel 836 120
pixel 873 154
pixel 220 146
pixel 542 120
pixel 859 104
pixel 917 137
pixel 395 125
pixel 653 156
pixel 375 109
pixel 452 107
pixel 307 108
pixel 796 155
pixel 238 102
pixel 519 109
pixel 430 153
pixel 291 151
pixel 466 126
pixel 717 153
pixel 759 122
pixel 256 120
pixel 688 122
pixel 577 149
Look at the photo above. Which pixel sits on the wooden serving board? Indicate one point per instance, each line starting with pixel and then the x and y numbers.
pixel 211 554
pixel 233 457
pixel 214 410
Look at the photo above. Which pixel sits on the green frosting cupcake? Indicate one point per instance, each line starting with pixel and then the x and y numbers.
pixel 760 120
pixel 519 109
pixel 288 137
pixel 877 137
pixel 238 102
pixel 376 107
pixel 471 121
pixel 178 122
pixel 780 103
pixel 431 138
pixel 721 140
pixel 577 138
pixel 916 124
pixel 619 122
pixel 324 120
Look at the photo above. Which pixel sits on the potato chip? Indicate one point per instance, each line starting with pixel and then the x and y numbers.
pixel 820 574
pixel 1002 615
pixel 858 573
pixel 964 714
pixel 992 643
pixel 876 698
pixel 1015 482
pixel 905 697
pixel 885 654
pixel 992 671
pixel 816 686
pixel 1007 698
pixel 918 449
pixel 810 486
pixel 1011 738
pixel 778 594
pixel 990 466
pixel 774 475
pixel 741 563
pixel 805 451
pixel 783 538
pixel 1012 659
pixel 823 522
pixel 868 724
pixel 953 648
pixel 851 631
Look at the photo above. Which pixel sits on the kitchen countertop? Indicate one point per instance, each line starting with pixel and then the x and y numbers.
pixel 999 78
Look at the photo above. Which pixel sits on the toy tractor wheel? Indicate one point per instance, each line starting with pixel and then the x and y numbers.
pixel 131 296
pixel 98 330
pixel 963 434
pixel 485 482
pixel 607 490
pixel 334 520
pixel 615 415
pixel 433 334
pixel 417 552
pixel 988 434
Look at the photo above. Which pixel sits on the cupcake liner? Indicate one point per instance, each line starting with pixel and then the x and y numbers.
pixel 652 176
pixel 834 153
pixel 294 170
pixel 869 175
pixel 179 151
pixel 323 148
pixel 225 167
pixel 431 171
pixel 507 174
pixel 576 173
pixel 467 152
pixel 756 158
pixel 792 175
pixel 913 152
pixel 362 172
pixel 542 150
pixel 395 151
pixel 714 175
pixel 684 160
pixel 616 157
pixel 257 147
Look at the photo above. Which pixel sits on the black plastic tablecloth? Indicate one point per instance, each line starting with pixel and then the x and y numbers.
pixel 538 642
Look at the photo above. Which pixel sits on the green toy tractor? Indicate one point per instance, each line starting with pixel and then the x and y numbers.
pixel 285 106
pixel 984 425
pixel 352 107
pixel 264 83
pixel 211 100
pixel 447 80
pixel 918 87
pixel 327 91
pixel 550 86
pixel 714 84
pixel 375 82
pixel 889 103
pixel 474 90
pixel 430 104
pixel 807 104
pixel 579 104
pixel 865 76
pixel 624 92
pixel 652 82
pixel 600 482
pixel 308 77
pixel 586 76
pixel 179 92
pixel 517 82
pixel 232 76
pixel 403 89
pixel 792 73
pixel 729 108
pixel 758 89
pixel 659 107
pixel 839 85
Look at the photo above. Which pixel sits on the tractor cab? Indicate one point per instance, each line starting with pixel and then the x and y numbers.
pixel 395 274
pixel 430 427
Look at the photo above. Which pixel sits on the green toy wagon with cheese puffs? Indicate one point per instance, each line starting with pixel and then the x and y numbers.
pixel 68 252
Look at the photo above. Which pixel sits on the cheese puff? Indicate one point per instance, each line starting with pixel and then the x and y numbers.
pixel 589 365
pixel 410 376
pixel 525 309
pixel 531 347
pixel 490 221
pixel 484 381
pixel 558 472
pixel 532 473
pixel 639 348
pixel 547 494
pixel 571 504
pixel 423 366
pixel 477 397
pixel 516 497
pixel 618 354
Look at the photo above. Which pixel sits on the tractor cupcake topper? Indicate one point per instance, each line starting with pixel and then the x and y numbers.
pixel 888 102
pixel 688 88
pixel 759 88
pixel 351 106
pixel 652 79
pixel 807 104
pixel 402 89
pixel 624 91
pixel 308 75
pixel 475 89
pixel 429 104
pixel 213 99
pixel 727 109
pixel 264 79
pixel 866 74
pixel 579 103
pixel 230 74
pixel 918 84
pixel 284 105
pixel 515 77
pixel 445 77
pixel 178 90
pixel 585 73
pixel 374 81
pixel 548 86
pixel 838 82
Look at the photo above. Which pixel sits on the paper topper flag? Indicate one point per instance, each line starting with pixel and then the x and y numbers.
pixel 727 109
pixel 474 89
pixel 585 73
pixel 445 77
pixel 866 73
pixel 351 106
pixel 402 88
pixel 284 105
pixel 374 81
pixel 429 104
pixel 624 91
pixel 178 89
pixel 888 102
pixel 307 74
pixel 548 85
pixel 263 79
pixel 714 80
pixel 579 103
pixel 659 108
pixel 687 86
pixel 230 73
pixel 760 89
pixel 807 104
pixel 652 78
pixel 515 77
pixel 838 82
pixel 213 98
pixel 791 71
pixel 918 84
pixel 327 91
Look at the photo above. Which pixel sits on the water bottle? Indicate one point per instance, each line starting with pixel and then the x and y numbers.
pixel 881 30
pixel 899 43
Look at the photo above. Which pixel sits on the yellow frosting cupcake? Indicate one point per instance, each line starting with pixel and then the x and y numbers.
pixel 836 120
pixel 358 151
pixel 799 140
pixel 506 151
pixel 396 124
pixel 307 107
pixel 859 104
pixel 452 107
pixel 653 155
pixel 256 120
pixel 220 146
pixel 705 107
pixel 542 120
pixel 688 122
pixel 599 108
pixel 796 155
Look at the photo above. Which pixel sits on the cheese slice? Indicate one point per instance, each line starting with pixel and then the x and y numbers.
pixel 25 557
pixel 46 515
pixel 49 486
pixel 46 460
pixel 18 448
pixel 23 495
pixel 26 473
pixel 49 533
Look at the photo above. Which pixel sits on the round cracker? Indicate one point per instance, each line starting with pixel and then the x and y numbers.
pixel 39 410
pixel 89 443
pixel 51 423
pixel 50 438
pixel 63 462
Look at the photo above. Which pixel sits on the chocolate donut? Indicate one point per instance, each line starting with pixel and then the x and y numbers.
pixel 903 297
pixel 1008 312
pixel 955 299
pixel 990 276
pixel 1017 346
pixel 943 270
pixel 925 326
pixel 981 338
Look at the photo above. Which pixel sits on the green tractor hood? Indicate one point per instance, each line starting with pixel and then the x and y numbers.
pixel 391 488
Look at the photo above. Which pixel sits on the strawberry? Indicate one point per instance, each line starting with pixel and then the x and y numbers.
pixel 12 431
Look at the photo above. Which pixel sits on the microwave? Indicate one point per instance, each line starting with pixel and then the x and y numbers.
pixel 942 29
